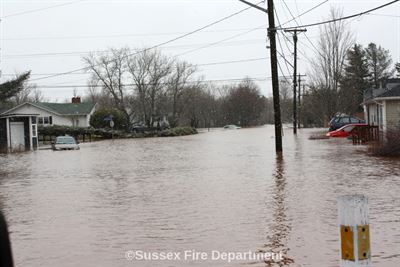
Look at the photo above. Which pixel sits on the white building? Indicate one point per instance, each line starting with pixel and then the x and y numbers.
pixel 75 114
pixel 382 106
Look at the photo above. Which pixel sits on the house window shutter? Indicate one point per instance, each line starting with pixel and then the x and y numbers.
pixel 50 120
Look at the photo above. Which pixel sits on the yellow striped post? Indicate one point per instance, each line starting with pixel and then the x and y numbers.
pixel 354 231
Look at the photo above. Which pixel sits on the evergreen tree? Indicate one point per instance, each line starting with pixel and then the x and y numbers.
pixel 379 61
pixel 355 80
pixel 11 88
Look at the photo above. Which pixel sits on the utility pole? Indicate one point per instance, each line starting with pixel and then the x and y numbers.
pixel 299 102
pixel 295 31
pixel 274 71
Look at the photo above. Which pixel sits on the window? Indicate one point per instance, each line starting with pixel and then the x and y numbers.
pixel 65 140
pixel 34 131
pixel 354 120
pixel 45 120
pixel 348 129
pixel 345 120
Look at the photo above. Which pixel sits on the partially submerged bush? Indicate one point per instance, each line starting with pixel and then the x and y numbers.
pixel 56 130
pixel 178 131
pixel 389 147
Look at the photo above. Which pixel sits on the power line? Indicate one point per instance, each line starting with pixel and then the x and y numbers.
pixel 200 65
pixel 220 41
pixel 307 11
pixel 280 44
pixel 339 19
pixel 280 68
pixel 384 15
pixel 80 53
pixel 40 9
pixel 166 83
pixel 161 44
pixel 182 36
pixel 116 35
pixel 233 61
pixel 294 18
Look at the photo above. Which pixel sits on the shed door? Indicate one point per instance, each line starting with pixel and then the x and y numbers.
pixel 17 135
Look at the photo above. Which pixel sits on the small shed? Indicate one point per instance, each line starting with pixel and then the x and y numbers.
pixel 18 132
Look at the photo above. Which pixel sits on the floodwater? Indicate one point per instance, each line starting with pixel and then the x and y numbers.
pixel 222 190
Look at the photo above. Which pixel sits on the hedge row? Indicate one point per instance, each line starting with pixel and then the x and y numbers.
pixel 56 130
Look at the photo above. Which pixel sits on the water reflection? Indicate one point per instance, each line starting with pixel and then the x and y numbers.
pixel 280 229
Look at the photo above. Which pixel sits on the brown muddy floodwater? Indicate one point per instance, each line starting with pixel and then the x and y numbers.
pixel 218 190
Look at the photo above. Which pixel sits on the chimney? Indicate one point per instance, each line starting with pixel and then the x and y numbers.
pixel 76 100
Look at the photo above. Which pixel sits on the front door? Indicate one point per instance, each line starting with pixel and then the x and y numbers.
pixel 17 135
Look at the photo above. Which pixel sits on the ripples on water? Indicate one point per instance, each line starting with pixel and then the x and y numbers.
pixel 221 190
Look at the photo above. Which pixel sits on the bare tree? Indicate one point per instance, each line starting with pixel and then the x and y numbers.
pixel 286 96
pixel 198 105
pixel 177 83
pixel 28 93
pixel 149 72
pixel 244 104
pixel 36 96
pixel 328 67
pixel 144 85
pixel 110 69
pixel 23 95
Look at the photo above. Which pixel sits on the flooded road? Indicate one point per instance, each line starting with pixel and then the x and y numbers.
pixel 219 190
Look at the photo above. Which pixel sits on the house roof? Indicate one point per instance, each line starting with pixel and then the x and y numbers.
pixel 84 108
pixel 394 92
pixel 388 94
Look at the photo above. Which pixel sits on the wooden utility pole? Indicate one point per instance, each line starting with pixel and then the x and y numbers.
pixel 275 80
pixel 295 31
pixel 274 71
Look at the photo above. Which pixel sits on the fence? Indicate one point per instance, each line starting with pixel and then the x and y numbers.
pixel 362 135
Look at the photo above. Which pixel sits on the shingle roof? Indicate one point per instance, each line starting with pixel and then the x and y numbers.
pixel 68 108
pixel 395 91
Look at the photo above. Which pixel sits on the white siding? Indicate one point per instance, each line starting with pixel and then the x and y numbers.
pixel 393 114
pixel 373 114
pixel 81 121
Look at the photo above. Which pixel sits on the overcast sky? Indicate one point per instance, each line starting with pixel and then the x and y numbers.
pixel 49 37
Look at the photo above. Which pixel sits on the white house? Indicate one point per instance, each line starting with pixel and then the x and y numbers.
pixel 382 106
pixel 76 113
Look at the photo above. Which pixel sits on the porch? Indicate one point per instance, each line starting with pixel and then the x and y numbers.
pixel 18 132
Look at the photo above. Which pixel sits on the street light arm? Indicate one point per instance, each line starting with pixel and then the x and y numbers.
pixel 255 6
